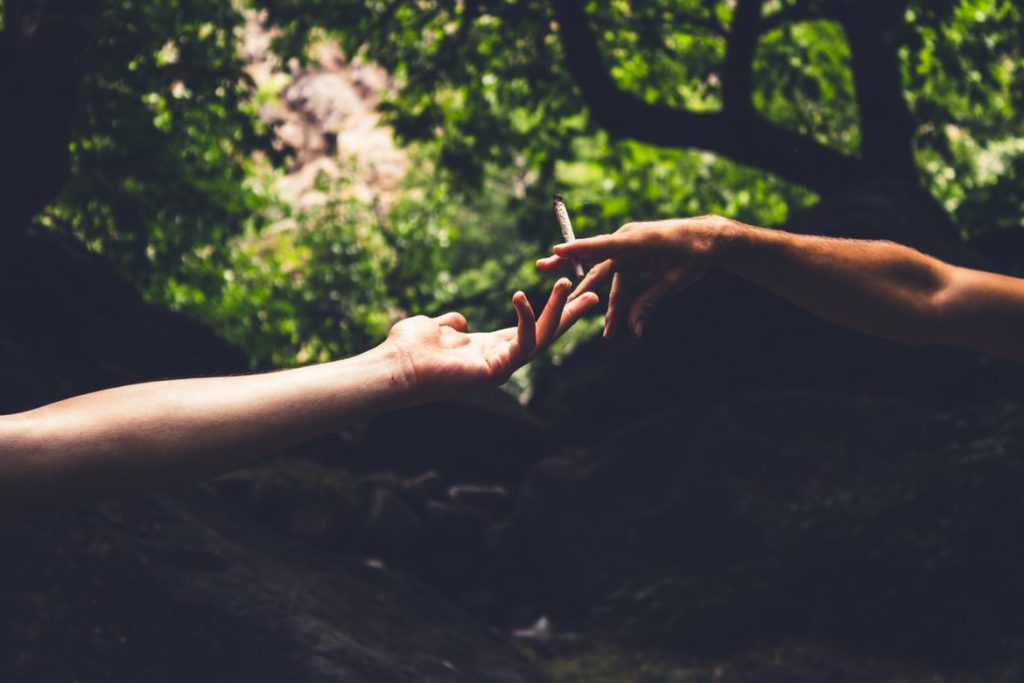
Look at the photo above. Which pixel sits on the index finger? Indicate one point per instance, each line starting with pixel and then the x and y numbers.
pixel 601 247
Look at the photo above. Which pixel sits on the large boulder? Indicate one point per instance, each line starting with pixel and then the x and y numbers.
pixel 880 519
pixel 425 525
pixel 181 587
pixel 484 438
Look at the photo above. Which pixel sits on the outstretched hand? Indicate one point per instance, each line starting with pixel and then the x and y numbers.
pixel 443 359
pixel 146 436
pixel 645 263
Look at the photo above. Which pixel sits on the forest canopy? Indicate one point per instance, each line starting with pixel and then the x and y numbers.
pixel 749 108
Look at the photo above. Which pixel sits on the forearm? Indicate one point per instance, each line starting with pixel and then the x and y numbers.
pixel 154 435
pixel 875 287
pixel 880 288
pixel 158 434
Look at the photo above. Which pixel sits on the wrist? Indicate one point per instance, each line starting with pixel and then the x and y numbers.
pixel 399 371
pixel 730 240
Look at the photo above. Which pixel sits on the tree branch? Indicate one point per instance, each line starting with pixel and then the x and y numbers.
pixel 748 139
pixel 41 60
pixel 737 72
pixel 872 28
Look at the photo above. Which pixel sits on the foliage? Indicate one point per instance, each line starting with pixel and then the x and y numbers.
pixel 490 93
pixel 161 151
pixel 962 66
pixel 488 83
pixel 800 67
pixel 326 281
pixel 166 185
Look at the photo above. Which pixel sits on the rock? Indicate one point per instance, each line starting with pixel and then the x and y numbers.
pixel 806 512
pixel 181 587
pixel 301 498
pixel 539 631
pixel 326 120
pixel 491 501
pixel 453 561
pixel 454 525
pixel 426 487
pixel 486 438
pixel 391 527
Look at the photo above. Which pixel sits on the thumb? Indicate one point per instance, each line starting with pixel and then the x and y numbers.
pixel 454 320
pixel 603 247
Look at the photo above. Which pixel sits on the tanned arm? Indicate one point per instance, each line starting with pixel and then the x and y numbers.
pixel 876 287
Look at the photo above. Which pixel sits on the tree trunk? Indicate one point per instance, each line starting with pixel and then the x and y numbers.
pixel 889 209
pixel 42 52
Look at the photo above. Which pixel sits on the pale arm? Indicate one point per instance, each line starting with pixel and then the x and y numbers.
pixel 155 435
pixel 158 434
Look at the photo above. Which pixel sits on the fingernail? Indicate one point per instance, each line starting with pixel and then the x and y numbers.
pixel 638 327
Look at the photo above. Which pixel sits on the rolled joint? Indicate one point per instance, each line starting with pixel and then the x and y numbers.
pixel 565 225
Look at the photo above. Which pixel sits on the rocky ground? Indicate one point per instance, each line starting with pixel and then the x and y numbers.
pixel 181 587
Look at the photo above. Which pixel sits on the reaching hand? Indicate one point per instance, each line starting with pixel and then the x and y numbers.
pixel 644 261
pixel 442 359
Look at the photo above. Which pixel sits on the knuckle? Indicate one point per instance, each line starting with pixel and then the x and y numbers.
pixel 715 220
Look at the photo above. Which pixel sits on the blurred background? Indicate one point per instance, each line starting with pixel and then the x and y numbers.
pixel 747 494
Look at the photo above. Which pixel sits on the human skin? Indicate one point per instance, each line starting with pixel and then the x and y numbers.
pixel 876 287
pixel 159 434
